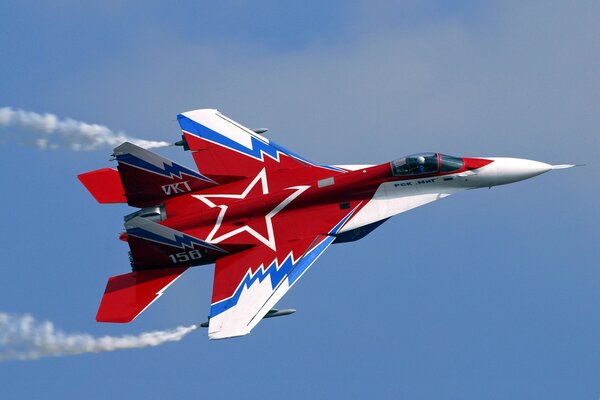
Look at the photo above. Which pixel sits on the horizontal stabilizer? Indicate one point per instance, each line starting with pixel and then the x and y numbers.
pixel 105 185
pixel 127 296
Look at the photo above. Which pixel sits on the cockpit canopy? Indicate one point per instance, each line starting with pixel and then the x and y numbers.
pixel 425 163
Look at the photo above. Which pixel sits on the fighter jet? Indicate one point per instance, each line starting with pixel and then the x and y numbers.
pixel 262 214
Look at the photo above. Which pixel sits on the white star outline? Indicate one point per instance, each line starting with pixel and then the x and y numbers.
pixel 262 178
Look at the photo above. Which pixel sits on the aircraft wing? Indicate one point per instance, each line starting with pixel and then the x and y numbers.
pixel 226 151
pixel 248 284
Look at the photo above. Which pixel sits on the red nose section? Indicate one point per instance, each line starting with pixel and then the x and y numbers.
pixel 474 163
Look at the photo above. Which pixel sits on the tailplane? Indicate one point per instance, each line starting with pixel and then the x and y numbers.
pixel 128 295
pixel 105 185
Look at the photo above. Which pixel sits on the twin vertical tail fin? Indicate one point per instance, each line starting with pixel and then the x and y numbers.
pixel 149 178
pixel 155 246
pixel 142 178
pixel 159 254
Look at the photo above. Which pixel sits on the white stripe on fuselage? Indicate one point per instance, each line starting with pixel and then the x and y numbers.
pixel 392 198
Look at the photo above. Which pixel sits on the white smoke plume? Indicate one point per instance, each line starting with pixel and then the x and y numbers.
pixel 24 338
pixel 50 132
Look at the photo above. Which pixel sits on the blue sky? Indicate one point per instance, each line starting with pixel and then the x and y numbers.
pixel 490 293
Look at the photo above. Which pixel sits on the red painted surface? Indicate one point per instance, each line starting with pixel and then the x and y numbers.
pixel 126 296
pixel 247 207
pixel 105 185
pixel 315 211
pixel 474 163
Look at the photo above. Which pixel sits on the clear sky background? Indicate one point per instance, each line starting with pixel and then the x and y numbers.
pixel 487 294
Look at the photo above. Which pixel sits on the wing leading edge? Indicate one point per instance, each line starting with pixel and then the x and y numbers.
pixel 225 150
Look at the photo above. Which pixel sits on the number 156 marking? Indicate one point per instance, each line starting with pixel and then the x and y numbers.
pixel 182 257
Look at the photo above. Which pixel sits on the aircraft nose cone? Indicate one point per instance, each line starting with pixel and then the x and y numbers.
pixel 509 170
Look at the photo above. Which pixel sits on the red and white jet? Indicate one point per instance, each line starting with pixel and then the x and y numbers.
pixel 261 213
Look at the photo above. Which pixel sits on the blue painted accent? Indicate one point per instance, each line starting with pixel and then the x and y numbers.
pixel 286 269
pixel 308 259
pixel 170 171
pixel 197 129
pixel 276 276
pixel 181 240
pixel 258 147
pixel 337 228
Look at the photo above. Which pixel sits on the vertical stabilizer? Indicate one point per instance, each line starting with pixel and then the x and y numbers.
pixel 149 179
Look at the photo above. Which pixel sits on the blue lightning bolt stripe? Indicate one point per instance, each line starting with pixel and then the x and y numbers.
pixel 249 279
pixel 310 257
pixel 288 269
pixel 168 170
pixel 181 241
pixel 256 151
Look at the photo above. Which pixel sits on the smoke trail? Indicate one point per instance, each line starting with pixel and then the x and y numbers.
pixel 54 133
pixel 24 338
